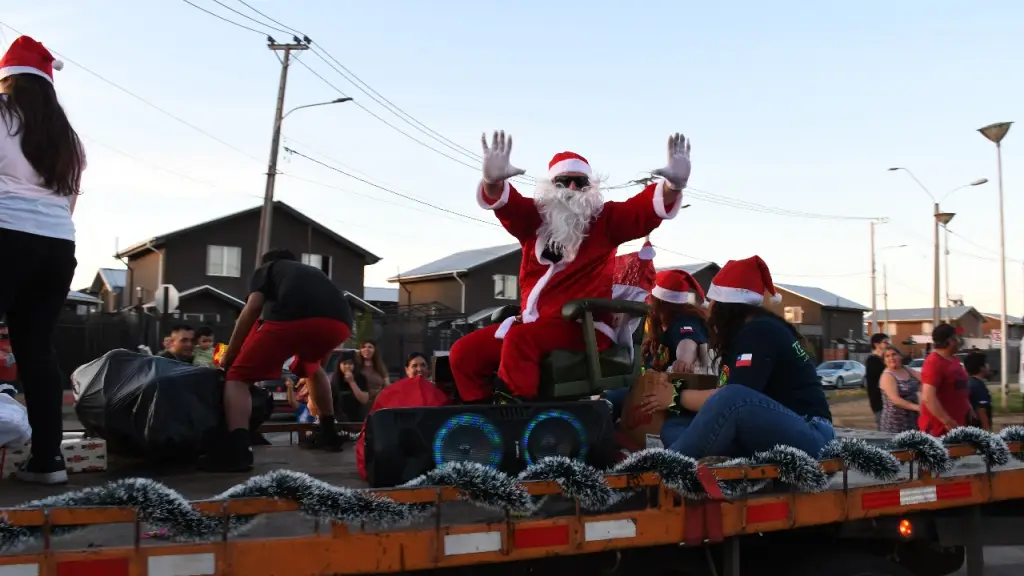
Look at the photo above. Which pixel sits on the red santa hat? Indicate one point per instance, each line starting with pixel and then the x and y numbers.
pixel 743 282
pixel 27 56
pixel 677 287
pixel 565 162
pixel 634 274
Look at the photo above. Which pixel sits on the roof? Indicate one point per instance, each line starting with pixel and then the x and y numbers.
pixel 201 289
pixel 82 298
pixel 357 302
pixel 822 297
pixel 1009 319
pixel 278 205
pixel 691 268
pixel 375 294
pixel 457 263
pixel 113 278
pixel 922 314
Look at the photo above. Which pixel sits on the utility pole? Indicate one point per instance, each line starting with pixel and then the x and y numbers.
pixel 945 263
pixel 874 289
pixel 266 215
pixel 935 280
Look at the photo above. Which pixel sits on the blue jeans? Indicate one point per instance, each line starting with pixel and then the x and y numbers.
pixel 738 421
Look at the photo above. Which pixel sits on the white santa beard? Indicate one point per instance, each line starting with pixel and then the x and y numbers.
pixel 566 216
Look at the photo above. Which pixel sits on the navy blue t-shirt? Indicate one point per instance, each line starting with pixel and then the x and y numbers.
pixel 767 357
pixel 980 396
pixel 662 354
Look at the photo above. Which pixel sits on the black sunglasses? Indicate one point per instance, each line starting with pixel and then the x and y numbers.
pixel 581 182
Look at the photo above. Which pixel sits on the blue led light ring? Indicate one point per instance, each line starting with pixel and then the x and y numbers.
pixel 562 414
pixel 497 452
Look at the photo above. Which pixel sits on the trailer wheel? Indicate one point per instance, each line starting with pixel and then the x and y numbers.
pixel 847 564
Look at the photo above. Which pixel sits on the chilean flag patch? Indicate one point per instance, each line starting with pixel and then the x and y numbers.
pixel 744 360
pixel 686 329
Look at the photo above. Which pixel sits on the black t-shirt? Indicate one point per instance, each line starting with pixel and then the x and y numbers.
pixel 295 291
pixel 874 366
pixel 767 357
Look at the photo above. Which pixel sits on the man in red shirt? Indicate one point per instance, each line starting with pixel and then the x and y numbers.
pixel 945 393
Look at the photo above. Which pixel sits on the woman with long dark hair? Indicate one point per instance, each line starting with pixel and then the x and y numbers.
pixel 768 392
pixel 41 164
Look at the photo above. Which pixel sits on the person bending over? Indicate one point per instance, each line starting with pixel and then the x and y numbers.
pixel 292 310
pixel 768 392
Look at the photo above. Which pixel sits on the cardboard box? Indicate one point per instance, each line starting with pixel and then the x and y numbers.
pixel 638 426
pixel 81 454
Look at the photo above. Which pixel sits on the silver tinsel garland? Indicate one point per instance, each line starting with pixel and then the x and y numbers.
pixel 165 508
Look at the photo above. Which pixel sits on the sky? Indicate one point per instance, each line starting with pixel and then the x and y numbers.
pixel 795 115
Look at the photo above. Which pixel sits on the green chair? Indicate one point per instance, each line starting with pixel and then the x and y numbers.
pixel 566 375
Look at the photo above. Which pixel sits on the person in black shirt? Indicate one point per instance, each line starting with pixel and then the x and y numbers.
pixel 350 390
pixel 874 366
pixel 292 310
pixel 768 393
pixel 976 365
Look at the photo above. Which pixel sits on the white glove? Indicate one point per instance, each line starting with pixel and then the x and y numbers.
pixel 677 171
pixel 496 159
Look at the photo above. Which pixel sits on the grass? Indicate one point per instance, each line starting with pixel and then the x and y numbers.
pixel 1014 403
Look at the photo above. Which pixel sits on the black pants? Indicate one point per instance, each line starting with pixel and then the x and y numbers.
pixel 35 284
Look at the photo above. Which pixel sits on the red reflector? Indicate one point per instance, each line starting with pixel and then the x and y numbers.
pixel 540 537
pixel 953 491
pixel 102 567
pixel 770 512
pixel 881 499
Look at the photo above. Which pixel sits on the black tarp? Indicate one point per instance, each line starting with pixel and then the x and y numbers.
pixel 153 407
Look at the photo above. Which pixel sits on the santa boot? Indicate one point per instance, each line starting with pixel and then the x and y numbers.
pixel 502 394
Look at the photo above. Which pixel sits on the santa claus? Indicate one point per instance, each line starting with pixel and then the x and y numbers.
pixel 569 236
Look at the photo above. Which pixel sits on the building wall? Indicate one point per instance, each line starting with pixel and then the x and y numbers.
pixel 143 272
pixel 480 283
pixel 838 323
pixel 185 256
pixel 812 311
pixel 1016 330
pixel 207 304
pixel 446 291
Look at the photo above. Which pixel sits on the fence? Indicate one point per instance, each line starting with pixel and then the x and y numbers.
pixel 425 328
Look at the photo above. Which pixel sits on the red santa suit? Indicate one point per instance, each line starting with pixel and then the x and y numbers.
pixel 516 347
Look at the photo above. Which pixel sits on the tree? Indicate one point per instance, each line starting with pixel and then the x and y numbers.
pixel 364 327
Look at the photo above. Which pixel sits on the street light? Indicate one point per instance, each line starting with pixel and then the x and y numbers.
pixel 995 133
pixel 935 213
pixel 266 215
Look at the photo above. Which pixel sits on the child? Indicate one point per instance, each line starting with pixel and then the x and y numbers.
pixel 981 400
pixel 203 353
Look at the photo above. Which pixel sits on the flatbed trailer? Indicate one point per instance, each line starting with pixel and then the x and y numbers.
pixel 916 524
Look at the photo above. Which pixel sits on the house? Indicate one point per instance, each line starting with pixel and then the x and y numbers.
pixel 384 298
pixel 911 328
pixel 81 303
pixel 472 282
pixel 825 319
pixel 210 264
pixel 702 272
pixel 108 285
pixel 993 321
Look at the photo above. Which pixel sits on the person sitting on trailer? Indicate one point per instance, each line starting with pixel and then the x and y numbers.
pixel 677 331
pixel 768 392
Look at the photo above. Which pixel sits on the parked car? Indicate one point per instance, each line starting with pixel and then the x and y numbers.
pixel 916 363
pixel 841 373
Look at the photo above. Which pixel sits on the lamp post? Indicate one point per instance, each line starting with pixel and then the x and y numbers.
pixel 266 215
pixel 935 214
pixel 944 218
pixel 995 133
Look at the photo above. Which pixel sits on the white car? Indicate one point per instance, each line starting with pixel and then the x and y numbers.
pixel 916 363
pixel 841 374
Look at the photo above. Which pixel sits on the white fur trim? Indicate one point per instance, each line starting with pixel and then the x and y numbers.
pixel 647 252
pixel 673 296
pixel 629 293
pixel 12 70
pixel 607 331
pixel 482 200
pixel 659 202
pixel 569 165
pixel 503 329
pixel 729 295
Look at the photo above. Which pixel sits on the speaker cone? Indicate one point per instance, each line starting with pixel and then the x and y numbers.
pixel 554 433
pixel 468 438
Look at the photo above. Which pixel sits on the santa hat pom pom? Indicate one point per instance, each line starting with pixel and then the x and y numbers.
pixel 58 65
pixel 647 252
pixel 776 298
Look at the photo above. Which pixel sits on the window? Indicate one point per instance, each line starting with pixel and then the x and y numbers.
pixel 890 330
pixel 321 262
pixel 224 261
pixel 506 287
pixel 927 327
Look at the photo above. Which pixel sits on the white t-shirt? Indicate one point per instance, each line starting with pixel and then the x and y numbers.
pixel 25 204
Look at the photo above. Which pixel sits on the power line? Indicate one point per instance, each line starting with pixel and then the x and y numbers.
pixel 163 111
pixel 229 21
pixel 250 18
pixel 389 190
pixel 247 5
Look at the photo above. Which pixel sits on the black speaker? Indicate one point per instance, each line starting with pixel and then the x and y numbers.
pixel 403 443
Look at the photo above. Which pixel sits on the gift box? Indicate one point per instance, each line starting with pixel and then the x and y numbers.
pixel 10 458
pixel 83 454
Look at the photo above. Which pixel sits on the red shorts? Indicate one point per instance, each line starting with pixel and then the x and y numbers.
pixel 270 344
